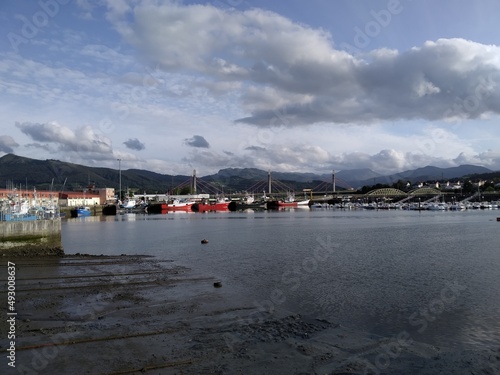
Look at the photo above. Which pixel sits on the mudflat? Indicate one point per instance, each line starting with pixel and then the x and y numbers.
pixel 82 314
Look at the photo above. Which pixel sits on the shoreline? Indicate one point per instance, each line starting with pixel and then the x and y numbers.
pixel 137 314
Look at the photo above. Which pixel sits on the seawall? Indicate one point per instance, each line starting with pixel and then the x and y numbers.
pixel 31 238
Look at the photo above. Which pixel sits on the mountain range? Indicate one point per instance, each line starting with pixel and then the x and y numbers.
pixel 26 173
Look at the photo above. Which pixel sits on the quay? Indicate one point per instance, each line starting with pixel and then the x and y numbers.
pixel 31 238
pixel 30 224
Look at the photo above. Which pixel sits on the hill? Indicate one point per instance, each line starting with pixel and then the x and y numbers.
pixel 428 173
pixel 57 175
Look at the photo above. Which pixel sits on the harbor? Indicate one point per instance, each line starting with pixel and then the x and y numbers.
pixel 139 293
pixel 30 225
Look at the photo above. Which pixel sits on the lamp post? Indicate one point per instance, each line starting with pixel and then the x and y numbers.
pixel 120 174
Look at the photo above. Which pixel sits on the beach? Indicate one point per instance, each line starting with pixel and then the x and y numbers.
pixel 82 314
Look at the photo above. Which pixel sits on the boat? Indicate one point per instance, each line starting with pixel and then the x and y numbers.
pixel 319 205
pixel 289 201
pixel 129 203
pixel 179 205
pixel 457 206
pixel 109 209
pixel 80 211
pixel 436 207
pixel 248 202
pixel 219 205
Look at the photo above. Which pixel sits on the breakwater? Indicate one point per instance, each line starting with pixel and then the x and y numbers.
pixel 35 237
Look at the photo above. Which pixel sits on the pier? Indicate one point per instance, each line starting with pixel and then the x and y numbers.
pixel 31 238
pixel 30 225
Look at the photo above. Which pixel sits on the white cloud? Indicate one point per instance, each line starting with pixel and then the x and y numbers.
pixel 308 79
pixel 180 70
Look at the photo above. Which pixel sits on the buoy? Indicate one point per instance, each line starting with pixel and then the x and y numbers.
pixel 217 284
pixel 204 241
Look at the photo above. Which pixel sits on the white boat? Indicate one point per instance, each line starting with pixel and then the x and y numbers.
pixel 436 207
pixel 129 203
pixel 457 207
pixel 319 205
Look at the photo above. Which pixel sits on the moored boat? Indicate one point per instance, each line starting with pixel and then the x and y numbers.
pixel 248 202
pixel 80 212
pixel 179 205
pixel 289 201
pixel 203 206
pixel 129 203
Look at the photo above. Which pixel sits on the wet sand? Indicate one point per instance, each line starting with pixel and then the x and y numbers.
pixel 81 314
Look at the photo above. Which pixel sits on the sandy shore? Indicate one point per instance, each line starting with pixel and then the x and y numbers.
pixel 83 314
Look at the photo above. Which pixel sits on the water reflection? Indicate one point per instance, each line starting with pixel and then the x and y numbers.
pixel 378 272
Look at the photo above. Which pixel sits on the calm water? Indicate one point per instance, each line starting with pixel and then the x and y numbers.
pixel 435 275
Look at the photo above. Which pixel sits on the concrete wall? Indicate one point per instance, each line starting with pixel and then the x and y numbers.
pixel 33 238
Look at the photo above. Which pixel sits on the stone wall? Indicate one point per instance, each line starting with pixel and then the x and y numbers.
pixel 32 238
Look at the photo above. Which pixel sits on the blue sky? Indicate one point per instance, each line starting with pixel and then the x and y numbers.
pixel 172 86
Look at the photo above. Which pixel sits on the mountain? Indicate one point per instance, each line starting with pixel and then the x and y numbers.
pixel 428 173
pixel 56 175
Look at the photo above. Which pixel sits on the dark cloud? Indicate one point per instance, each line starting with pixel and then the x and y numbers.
pixel 197 141
pixel 82 139
pixel 7 144
pixel 134 144
pixel 255 148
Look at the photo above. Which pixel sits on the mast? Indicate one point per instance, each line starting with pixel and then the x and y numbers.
pixel 269 181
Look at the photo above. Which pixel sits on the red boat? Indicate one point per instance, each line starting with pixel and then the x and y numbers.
pixel 177 205
pixel 288 202
pixel 203 206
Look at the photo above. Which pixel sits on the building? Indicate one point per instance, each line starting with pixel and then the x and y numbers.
pixel 78 198
pixel 88 197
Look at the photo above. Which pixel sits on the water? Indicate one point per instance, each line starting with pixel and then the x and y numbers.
pixel 434 275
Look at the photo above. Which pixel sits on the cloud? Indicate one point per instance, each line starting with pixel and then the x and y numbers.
pixel 134 144
pixel 197 141
pixel 303 77
pixel 82 139
pixel 255 148
pixel 7 144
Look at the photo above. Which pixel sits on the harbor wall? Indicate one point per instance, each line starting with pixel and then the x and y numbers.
pixel 31 238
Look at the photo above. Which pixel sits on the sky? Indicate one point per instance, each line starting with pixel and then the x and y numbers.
pixel 296 86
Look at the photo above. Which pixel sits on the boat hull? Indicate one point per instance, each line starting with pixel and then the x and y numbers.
pixel 281 204
pixel 204 207
pixel 179 207
pixel 236 206
pixel 80 212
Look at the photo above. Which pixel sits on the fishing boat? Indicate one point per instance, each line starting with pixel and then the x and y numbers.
pixel 81 211
pixel 129 203
pixel 218 205
pixel 248 202
pixel 289 201
pixel 179 205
